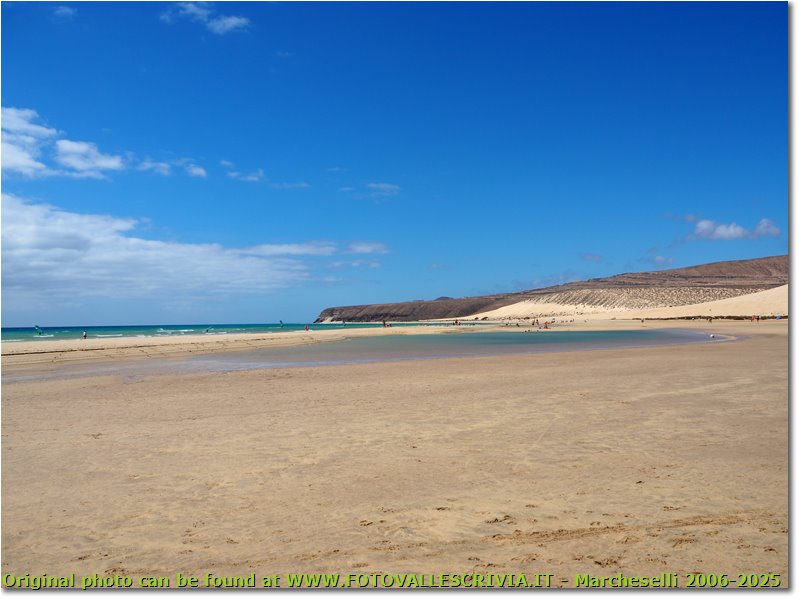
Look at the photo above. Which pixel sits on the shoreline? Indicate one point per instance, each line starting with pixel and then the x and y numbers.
pixel 41 353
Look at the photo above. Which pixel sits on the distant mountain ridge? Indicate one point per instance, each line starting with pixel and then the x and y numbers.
pixel 701 283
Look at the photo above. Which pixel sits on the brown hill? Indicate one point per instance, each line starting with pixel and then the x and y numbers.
pixel 697 284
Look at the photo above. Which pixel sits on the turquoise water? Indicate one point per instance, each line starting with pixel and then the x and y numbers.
pixel 387 348
pixel 11 334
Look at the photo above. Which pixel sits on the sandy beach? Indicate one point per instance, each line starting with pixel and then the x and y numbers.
pixel 669 459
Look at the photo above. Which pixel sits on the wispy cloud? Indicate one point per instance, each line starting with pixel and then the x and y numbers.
pixel 254 176
pixel 660 260
pixel 64 12
pixel 85 160
pixel 383 190
pixel 23 140
pixel 299 185
pixel 195 171
pixel 50 253
pixel 162 168
pixel 239 176
pixel 54 255
pixel 710 229
pixel 367 247
pixel 766 228
pixel 222 25
pixel 33 149
pixel 313 248
pixel 204 13
pixel 372 190
pixel 355 264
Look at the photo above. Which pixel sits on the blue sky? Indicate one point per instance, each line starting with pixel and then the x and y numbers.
pixel 249 162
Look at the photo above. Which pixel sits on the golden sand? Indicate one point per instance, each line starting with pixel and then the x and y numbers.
pixel 640 461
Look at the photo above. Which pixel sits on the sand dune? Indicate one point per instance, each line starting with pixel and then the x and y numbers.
pixel 649 302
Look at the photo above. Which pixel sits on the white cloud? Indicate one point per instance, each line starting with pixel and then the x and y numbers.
pixel 367 247
pixel 165 167
pixel 255 176
pixel 383 190
pixel 50 254
pixel 355 264
pixel 64 12
pixel 162 168
pixel 300 185
pixel 766 228
pixel 313 248
pixel 21 160
pixel 55 260
pixel 20 121
pixel 709 229
pixel 23 141
pixel 222 25
pixel 662 261
pixel 196 10
pixel 85 159
pixel 238 176
pixel 32 149
pixel 202 12
pixel 196 171
pixel 373 190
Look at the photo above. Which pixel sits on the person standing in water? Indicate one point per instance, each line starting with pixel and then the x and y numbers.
pixel 85 334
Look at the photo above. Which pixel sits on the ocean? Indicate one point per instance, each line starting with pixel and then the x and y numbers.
pixel 12 334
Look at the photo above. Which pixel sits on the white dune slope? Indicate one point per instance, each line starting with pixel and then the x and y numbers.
pixel 771 302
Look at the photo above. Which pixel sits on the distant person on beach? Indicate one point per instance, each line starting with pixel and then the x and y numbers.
pixel 307 328
pixel 85 335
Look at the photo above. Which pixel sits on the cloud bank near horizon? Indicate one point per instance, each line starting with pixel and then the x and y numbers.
pixel 51 254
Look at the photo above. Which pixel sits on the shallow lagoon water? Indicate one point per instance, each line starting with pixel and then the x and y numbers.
pixel 447 345
pixel 387 348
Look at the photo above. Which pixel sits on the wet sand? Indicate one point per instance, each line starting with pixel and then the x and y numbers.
pixel 669 459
